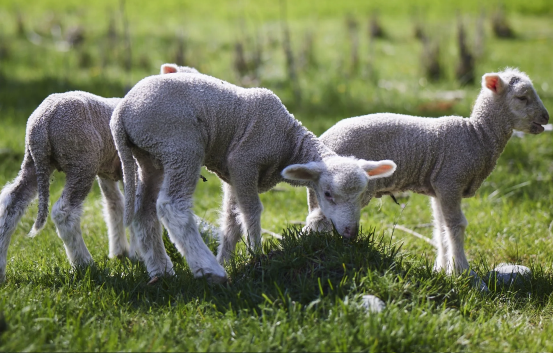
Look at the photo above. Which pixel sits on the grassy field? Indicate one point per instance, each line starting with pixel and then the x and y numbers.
pixel 303 293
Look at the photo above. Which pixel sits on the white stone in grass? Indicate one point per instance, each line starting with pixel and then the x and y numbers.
pixel 372 303
pixel 508 274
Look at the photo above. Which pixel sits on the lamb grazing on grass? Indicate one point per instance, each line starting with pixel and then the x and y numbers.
pixel 446 158
pixel 174 124
pixel 70 132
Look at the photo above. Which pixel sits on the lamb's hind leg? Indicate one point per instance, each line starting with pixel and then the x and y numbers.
pixel 174 207
pixel 231 232
pixel 440 238
pixel 67 212
pixel 14 200
pixel 146 232
pixel 113 215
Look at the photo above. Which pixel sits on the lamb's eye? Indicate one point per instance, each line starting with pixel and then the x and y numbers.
pixel 327 194
pixel 522 99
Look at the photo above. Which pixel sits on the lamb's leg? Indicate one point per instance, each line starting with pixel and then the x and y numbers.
pixel 316 220
pixel 231 232
pixel 146 236
pixel 251 208
pixel 67 211
pixel 312 202
pixel 134 251
pixel 174 206
pixel 113 215
pixel 455 224
pixel 14 200
pixel 440 238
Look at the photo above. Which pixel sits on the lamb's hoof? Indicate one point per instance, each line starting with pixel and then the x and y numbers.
pixel 153 280
pixel 120 257
pixel 119 254
pixel 216 279
pixel 317 222
pixel 213 276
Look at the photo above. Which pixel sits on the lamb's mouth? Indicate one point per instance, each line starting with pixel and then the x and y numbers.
pixel 539 127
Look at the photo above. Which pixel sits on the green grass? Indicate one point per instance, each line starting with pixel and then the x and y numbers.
pixel 303 293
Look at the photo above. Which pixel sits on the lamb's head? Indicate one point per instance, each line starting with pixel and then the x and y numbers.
pixel 515 90
pixel 339 183
pixel 173 68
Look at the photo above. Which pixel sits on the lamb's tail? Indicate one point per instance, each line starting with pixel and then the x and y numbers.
pixel 127 162
pixel 41 151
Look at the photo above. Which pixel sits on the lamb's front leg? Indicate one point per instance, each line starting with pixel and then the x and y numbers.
pixel 231 232
pixel 174 207
pixel 113 215
pixel 440 238
pixel 455 224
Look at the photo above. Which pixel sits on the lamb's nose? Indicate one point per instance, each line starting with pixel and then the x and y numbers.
pixel 351 231
pixel 347 232
pixel 546 117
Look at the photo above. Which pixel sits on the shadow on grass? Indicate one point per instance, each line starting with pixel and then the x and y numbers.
pixel 313 269
pixel 310 270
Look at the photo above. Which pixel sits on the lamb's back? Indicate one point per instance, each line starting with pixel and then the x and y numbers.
pixel 76 125
pixel 229 124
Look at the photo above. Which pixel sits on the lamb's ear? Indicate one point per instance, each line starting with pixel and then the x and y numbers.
pixel 302 172
pixel 380 169
pixel 168 69
pixel 493 82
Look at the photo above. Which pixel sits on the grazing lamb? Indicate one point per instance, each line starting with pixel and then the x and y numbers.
pixel 69 132
pixel 446 158
pixel 174 124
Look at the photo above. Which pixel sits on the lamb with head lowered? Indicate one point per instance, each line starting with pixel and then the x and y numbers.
pixel 445 158
pixel 174 124
pixel 70 132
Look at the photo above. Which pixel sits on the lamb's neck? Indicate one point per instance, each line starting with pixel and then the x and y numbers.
pixel 491 122
pixel 308 148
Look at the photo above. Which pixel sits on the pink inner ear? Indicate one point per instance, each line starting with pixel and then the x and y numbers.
pixel 380 170
pixel 169 69
pixel 491 82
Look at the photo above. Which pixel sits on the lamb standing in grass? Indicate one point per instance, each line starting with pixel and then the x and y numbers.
pixel 446 158
pixel 70 132
pixel 174 124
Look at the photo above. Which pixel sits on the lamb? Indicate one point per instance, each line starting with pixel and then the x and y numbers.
pixel 446 158
pixel 174 124
pixel 70 132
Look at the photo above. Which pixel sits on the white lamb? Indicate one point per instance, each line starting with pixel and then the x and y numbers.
pixel 69 132
pixel 446 158
pixel 174 124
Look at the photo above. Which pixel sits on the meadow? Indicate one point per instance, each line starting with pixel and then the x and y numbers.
pixel 327 61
